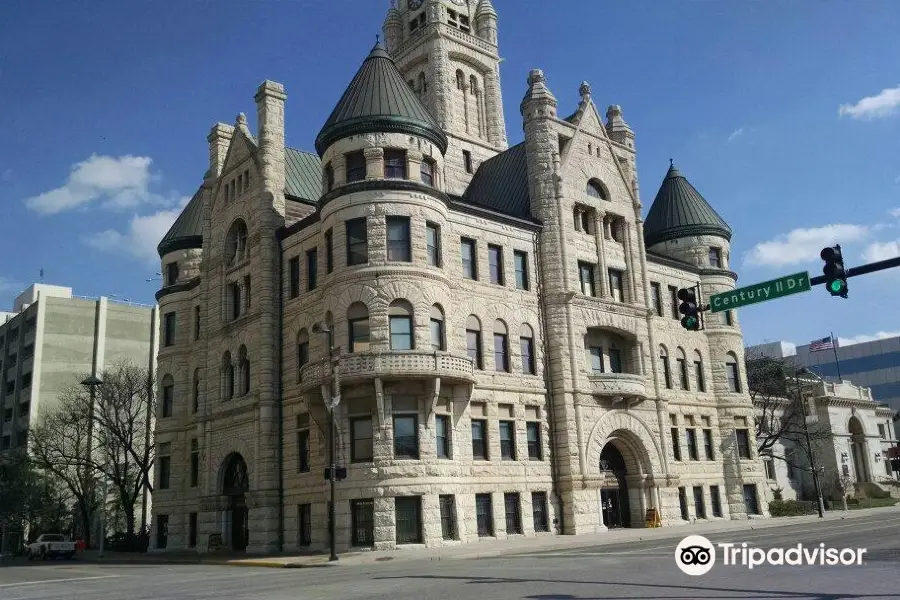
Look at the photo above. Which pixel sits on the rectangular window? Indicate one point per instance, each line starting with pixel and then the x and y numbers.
pixel 715 257
pixel 715 501
pixel 615 360
pixel 408 517
pixel 329 250
pixel 683 373
pixel 673 302
pixel 196 322
pixel 359 334
pixel 521 263
pixel 484 515
pixel 433 244
pixel 698 373
pixel 881 433
pixel 469 259
pixel 513 513
pixel 168 400
pixel 467 160
pixel 526 346
pixel 361 442
pixel 770 469
pixel 400 327
pixel 304 524
pixel 395 164
pixel 171 273
pixel 733 375
pixel 406 436
pixel 750 500
pixel 693 452
pixel 596 359
pixel 303 451
pixel 165 472
pixel 586 277
pixel 676 444
pixel 449 530
pixel 616 287
pixel 195 462
pixel 362 522
pixel 169 329
pixel 682 504
pixel 356 166
pixel 235 294
pixel 656 295
pixel 507 440
pixel 192 530
pixel 699 502
pixel 312 268
pixel 357 242
pixel 329 177
pixel 533 434
pixel 436 331
pixel 442 435
pixel 398 241
pixel 539 512
pixel 473 347
pixel 162 531
pixel 743 442
pixel 501 357
pixel 708 444
pixel 479 439
pixel 426 171
pixel 728 317
pixel 495 262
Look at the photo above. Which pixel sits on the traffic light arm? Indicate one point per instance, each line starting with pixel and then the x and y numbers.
pixel 862 270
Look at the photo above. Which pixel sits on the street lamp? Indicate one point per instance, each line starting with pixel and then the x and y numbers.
pixel 322 328
pixel 812 463
pixel 92 382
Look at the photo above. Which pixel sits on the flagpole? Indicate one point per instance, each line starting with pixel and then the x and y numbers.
pixel 837 363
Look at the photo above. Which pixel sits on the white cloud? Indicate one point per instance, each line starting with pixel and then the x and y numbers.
pixel 883 104
pixel 896 213
pixel 881 251
pixel 802 245
pixel 115 182
pixel 859 339
pixel 141 237
pixel 736 133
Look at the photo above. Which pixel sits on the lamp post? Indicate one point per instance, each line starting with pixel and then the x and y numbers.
pixel 809 450
pixel 322 328
pixel 92 382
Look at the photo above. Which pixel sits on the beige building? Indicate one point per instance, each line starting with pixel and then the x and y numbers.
pixel 507 347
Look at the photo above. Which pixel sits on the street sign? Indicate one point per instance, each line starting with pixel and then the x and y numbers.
pixel 760 292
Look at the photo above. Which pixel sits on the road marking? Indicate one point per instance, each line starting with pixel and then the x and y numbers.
pixel 49 581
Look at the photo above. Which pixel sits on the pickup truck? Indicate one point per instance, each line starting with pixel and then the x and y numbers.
pixel 51 545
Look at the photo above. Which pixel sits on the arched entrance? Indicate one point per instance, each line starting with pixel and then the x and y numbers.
pixel 614 504
pixel 235 485
pixel 858 449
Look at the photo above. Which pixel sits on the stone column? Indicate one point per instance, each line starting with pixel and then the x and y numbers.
pixel 496 127
pixel 438 79
pixel 374 163
pixel 339 167
pixel 629 261
pixel 599 230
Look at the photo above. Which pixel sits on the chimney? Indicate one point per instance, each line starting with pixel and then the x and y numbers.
pixel 270 99
pixel 219 139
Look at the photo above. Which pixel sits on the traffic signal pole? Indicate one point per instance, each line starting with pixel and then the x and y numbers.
pixel 881 265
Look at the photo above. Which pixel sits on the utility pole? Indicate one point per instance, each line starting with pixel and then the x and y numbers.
pixel 809 450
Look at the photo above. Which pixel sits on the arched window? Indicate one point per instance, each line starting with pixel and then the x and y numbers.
pixel 438 341
pixel 168 395
pixel 460 80
pixel 526 345
pixel 501 346
pixel 423 84
pixel 196 399
pixel 664 362
pixel 302 350
pixel 473 341
pixel 473 85
pixel 699 376
pixel 236 243
pixel 227 377
pixel 358 327
pixel 595 189
pixel 400 324
pixel 733 373
pixel 681 359
pixel 244 369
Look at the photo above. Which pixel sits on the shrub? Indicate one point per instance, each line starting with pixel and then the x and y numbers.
pixel 791 508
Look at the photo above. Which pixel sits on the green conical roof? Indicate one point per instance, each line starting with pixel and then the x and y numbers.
pixel 680 211
pixel 187 230
pixel 378 100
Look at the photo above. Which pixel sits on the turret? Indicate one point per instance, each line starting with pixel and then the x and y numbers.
pixel 219 139
pixel 616 127
pixel 393 28
pixel 486 22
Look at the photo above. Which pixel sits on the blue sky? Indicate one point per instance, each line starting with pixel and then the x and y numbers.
pixel 785 115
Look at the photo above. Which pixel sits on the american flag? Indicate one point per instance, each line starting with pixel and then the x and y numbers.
pixel 826 343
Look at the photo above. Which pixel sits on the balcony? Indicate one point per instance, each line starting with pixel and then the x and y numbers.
pixel 408 364
pixel 618 385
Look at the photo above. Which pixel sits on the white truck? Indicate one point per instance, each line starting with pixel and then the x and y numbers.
pixel 51 545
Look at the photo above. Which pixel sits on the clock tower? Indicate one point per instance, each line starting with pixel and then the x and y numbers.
pixel 447 52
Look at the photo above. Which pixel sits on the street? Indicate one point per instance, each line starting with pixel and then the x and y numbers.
pixel 644 569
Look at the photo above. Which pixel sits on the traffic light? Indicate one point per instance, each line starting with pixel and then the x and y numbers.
pixel 835 275
pixel 689 308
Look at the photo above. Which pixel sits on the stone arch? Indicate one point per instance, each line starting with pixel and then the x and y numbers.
pixel 855 426
pixel 633 434
pixel 597 189
pixel 623 325
pixel 235 448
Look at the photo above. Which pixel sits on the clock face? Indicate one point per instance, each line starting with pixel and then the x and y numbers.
pixel 414 4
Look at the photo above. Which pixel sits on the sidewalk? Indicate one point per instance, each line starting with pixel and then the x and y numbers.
pixel 490 548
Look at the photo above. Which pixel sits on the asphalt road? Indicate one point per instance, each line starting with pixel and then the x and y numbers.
pixel 644 570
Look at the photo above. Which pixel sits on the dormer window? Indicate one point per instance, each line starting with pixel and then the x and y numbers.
pixel 395 164
pixel 715 257
pixel 356 166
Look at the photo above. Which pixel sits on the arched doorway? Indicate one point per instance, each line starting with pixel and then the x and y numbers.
pixel 235 485
pixel 858 449
pixel 614 503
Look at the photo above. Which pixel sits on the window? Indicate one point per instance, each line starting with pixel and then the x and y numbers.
pixel 302 350
pixel 192 530
pixel 469 262
pixel 398 242
pixel 583 219
pixel 195 462
pixel 664 361
pixel 442 435
pixel 495 262
pixel 521 263
pixel 708 444
pixel 329 251
pixel 750 501
pixel 698 372
pixel 165 465
pixel 676 444
pixel 691 434
pixel 467 160
pixel 406 436
pixel 715 501
pixel 596 359
pixel 743 442
pixel 171 273
pixel 303 451
pixel 162 531
pixel 294 268
pixel 361 443
pixel 513 513
pixel 699 503
pixel 715 257
pixel 196 322
pixel 362 522
pixel 501 349
pixel 426 171
pixel 479 439
pixel 312 268
pixel 681 359
pixel 304 524
pixel 358 323
pixel 615 360
pixel 408 517
pixel 449 530
pixel 436 329
pixel 728 317
pixel 357 242
pixel 526 347
pixel 673 302
pixel 169 329
pixel 484 515
pixel 168 395
pixel 234 299
pixel 356 166
pixel 329 177
pixel 460 79
pixel 400 319
pixel 656 298
pixel 616 288
pixel 595 189
pixel 244 370
pixel 433 244
pixel 770 468
pixel 227 377
pixel 881 433
pixel 586 277
pixel 236 243
pixel 473 341
pixel 682 503
pixel 507 440
pixel 246 293
pixel 533 435
pixel 733 374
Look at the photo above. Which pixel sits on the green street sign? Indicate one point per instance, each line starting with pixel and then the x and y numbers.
pixel 760 292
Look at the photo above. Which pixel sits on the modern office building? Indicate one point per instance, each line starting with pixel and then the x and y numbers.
pixel 507 347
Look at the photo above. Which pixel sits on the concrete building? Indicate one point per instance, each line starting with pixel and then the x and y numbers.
pixel 507 346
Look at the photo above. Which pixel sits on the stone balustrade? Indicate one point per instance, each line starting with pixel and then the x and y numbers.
pixel 624 385
pixel 400 364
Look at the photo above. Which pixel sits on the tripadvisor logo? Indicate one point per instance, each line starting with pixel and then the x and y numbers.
pixel 696 555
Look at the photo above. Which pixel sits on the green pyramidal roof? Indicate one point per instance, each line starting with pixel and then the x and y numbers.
pixel 187 230
pixel 378 100
pixel 680 211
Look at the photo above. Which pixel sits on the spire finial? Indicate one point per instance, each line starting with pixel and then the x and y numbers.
pixel 671 163
pixel 377 38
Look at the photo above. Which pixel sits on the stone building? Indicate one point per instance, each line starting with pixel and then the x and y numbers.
pixel 507 354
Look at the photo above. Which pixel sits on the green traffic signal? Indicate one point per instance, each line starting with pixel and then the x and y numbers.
pixel 690 322
pixel 836 286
